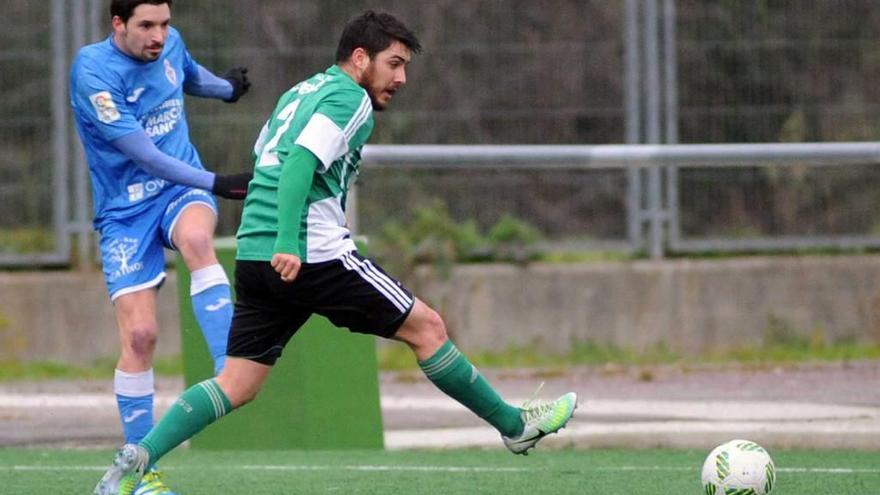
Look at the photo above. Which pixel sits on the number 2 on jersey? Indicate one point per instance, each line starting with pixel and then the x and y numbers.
pixel 268 155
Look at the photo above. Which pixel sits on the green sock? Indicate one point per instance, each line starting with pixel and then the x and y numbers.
pixel 452 373
pixel 199 406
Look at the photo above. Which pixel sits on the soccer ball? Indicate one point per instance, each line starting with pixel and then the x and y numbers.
pixel 738 467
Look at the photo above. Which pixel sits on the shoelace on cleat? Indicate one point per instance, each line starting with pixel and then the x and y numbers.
pixel 537 410
pixel 534 408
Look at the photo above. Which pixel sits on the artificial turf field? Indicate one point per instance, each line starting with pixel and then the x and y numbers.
pixel 630 472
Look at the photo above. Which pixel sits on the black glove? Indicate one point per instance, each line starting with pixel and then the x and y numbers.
pixel 237 76
pixel 233 186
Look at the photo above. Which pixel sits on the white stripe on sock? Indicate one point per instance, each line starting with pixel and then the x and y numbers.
pixel 215 401
pixel 443 363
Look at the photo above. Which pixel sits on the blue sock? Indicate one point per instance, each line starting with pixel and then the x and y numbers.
pixel 134 398
pixel 212 305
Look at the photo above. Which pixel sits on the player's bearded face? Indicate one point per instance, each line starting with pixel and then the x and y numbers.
pixel 385 74
pixel 143 36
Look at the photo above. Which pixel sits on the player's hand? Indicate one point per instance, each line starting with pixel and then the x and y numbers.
pixel 233 186
pixel 237 76
pixel 287 265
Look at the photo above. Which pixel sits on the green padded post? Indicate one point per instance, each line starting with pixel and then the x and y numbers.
pixel 322 394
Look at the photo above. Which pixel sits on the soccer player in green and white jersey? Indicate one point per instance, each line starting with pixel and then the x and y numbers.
pixel 295 257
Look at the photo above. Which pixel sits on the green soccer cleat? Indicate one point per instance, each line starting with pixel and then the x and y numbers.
pixel 541 419
pixel 126 472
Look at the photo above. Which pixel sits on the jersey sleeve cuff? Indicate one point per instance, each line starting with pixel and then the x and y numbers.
pixel 286 248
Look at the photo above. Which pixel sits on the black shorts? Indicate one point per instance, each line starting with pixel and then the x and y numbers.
pixel 350 291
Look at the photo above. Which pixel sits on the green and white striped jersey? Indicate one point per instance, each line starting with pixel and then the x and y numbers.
pixel 331 116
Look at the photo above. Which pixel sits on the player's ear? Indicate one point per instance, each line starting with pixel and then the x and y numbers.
pixel 117 23
pixel 360 58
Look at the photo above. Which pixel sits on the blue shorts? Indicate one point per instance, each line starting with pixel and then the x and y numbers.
pixel 132 249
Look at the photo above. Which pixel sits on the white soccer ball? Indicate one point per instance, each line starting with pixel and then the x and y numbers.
pixel 738 467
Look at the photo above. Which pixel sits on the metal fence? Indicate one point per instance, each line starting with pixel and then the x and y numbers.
pixel 561 72
pixel 692 214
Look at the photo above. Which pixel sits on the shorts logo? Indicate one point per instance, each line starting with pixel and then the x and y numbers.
pixel 138 190
pixel 170 74
pixel 189 194
pixel 104 107
pixel 120 251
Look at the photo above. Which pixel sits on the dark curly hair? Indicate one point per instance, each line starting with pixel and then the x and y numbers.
pixel 125 8
pixel 374 32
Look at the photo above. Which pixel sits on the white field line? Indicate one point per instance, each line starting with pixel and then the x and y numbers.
pixel 647 409
pixel 445 469
pixel 441 469
pixel 290 467
pixel 796 470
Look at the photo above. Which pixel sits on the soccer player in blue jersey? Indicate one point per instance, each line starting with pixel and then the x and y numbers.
pixel 150 190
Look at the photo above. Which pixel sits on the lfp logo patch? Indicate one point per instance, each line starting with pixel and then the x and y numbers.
pixel 104 107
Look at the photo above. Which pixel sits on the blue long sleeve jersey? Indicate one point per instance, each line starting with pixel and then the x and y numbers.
pixel 131 120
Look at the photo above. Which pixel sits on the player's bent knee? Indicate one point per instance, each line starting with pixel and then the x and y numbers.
pixel 142 340
pixel 239 396
pixel 245 397
pixel 196 244
pixel 435 328
pixel 426 331
pixel 239 389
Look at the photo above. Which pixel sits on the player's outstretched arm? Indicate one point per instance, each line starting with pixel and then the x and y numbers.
pixel 141 149
pixel 229 88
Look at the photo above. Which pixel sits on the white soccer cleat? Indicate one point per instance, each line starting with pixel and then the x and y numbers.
pixel 125 473
pixel 541 418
